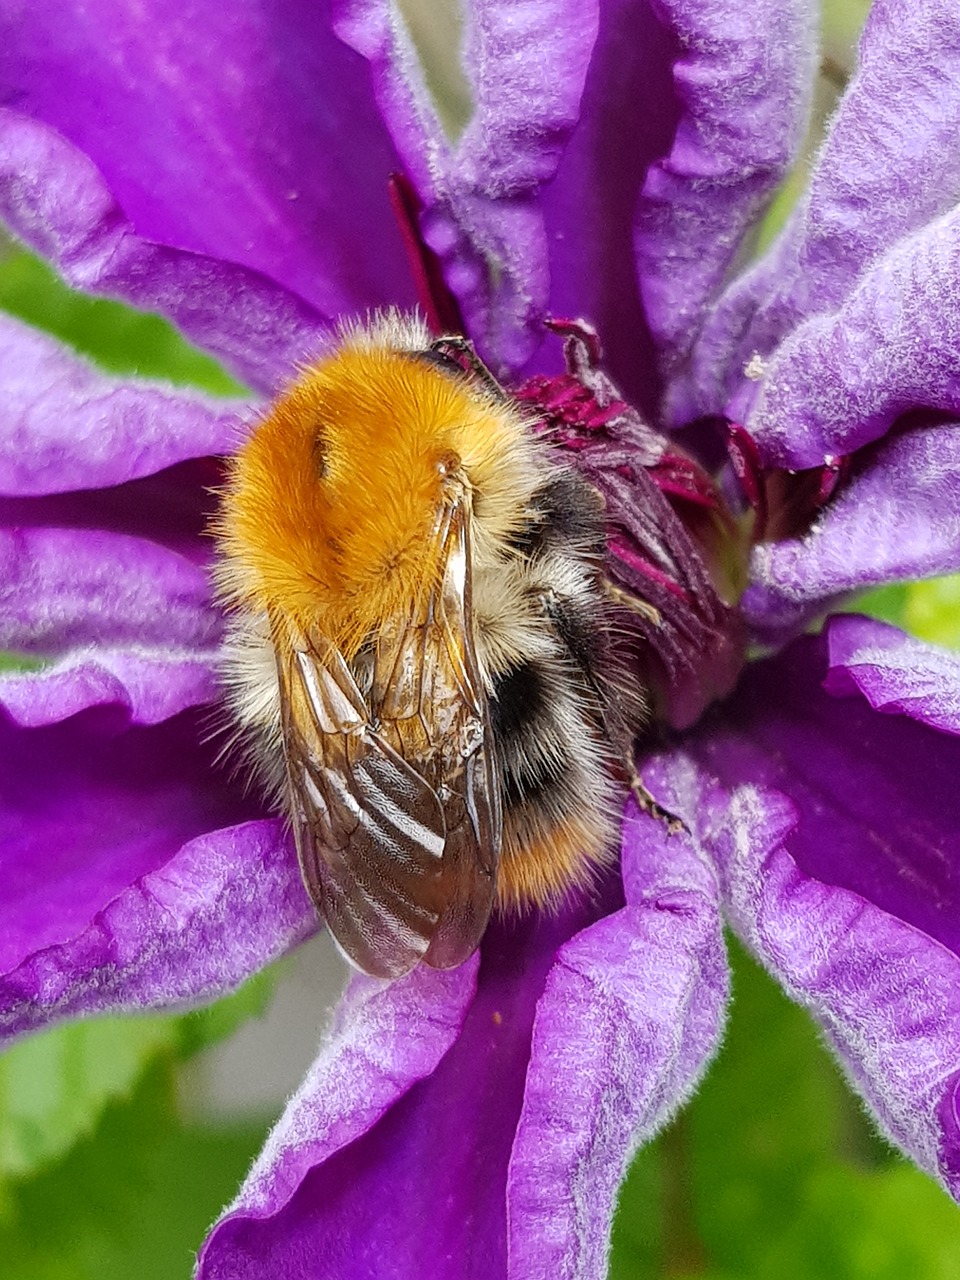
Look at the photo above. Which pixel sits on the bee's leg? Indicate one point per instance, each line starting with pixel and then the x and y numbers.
pixel 647 803
pixel 633 603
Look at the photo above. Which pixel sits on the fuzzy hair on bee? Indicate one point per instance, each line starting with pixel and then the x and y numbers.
pixel 420 659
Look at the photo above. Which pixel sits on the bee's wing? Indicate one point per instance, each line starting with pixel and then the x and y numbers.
pixel 394 799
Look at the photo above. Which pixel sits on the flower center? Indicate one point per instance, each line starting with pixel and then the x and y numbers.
pixel 676 554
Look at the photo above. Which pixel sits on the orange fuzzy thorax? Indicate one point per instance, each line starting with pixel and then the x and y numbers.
pixel 331 504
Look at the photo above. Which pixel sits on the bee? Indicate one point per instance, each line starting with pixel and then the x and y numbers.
pixel 420 645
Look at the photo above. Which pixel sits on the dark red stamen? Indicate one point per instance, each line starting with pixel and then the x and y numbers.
pixel 784 502
pixel 747 467
pixel 568 405
pixel 440 307
pixel 832 474
pixel 583 333
pixel 621 546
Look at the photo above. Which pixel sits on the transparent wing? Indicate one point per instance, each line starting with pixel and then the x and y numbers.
pixel 394 799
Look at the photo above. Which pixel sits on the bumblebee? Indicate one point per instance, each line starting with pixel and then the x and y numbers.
pixel 421 658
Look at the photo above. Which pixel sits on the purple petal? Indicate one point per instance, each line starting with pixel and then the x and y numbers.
pixel 54 199
pixel 245 132
pixel 458 227
pixel 64 425
pixel 62 589
pixel 172 508
pixel 628 115
pixel 838 844
pixel 149 685
pixel 744 79
pixel 353 1195
pixel 876 797
pixel 525 66
pixel 191 928
pixel 882 173
pixel 631 1014
pixel 885 992
pixel 895 520
pixel 90 805
pixel 388 1037
pixel 893 671
pixel 840 380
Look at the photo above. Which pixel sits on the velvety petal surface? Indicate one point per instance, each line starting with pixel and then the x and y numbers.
pixel 628 114
pixel 897 519
pixel 895 672
pixel 89 805
pixel 841 379
pixel 150 685
pixel 743 78
pixel 244 132
pixel 64 425
pixel 172 508
pixel 387 1037
pixel 889 165
pixel 838 838
pixel 55 200
pixel 631 1014
pixel 525 66
pixel 358 1194
pixel 68 588
pixel 192 927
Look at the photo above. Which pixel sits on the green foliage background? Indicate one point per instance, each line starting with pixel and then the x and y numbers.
pixel 773 1172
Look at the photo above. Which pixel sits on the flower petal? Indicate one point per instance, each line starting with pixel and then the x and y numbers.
pixel 886 994
pixel 835 832
pixel 631 1014
pixel 895 520
pixel 890 164
pixel 388 1036
pixel 54 199
pixel 628 115
pixel 88 806
pixel 525 66
pixel 62 589
pixel 64 425
pixel 343 1184
pixel 172 508
pixel 193 927
pixel 840 380
pixel 247 133
pixel 893 671
pixel 150 685
pixel 876 798
pixel 744 79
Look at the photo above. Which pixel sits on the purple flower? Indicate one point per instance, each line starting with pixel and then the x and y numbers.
pixel 228 168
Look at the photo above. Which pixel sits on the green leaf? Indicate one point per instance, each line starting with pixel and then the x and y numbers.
pixel 850 1224
pixel 54 1086
pixel 929 610
pixel 19 661
pixel 133 1201
pixel 932 610
pixel 637 1243
pixel 888 603
pixel 216 1021
pixel 116 337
